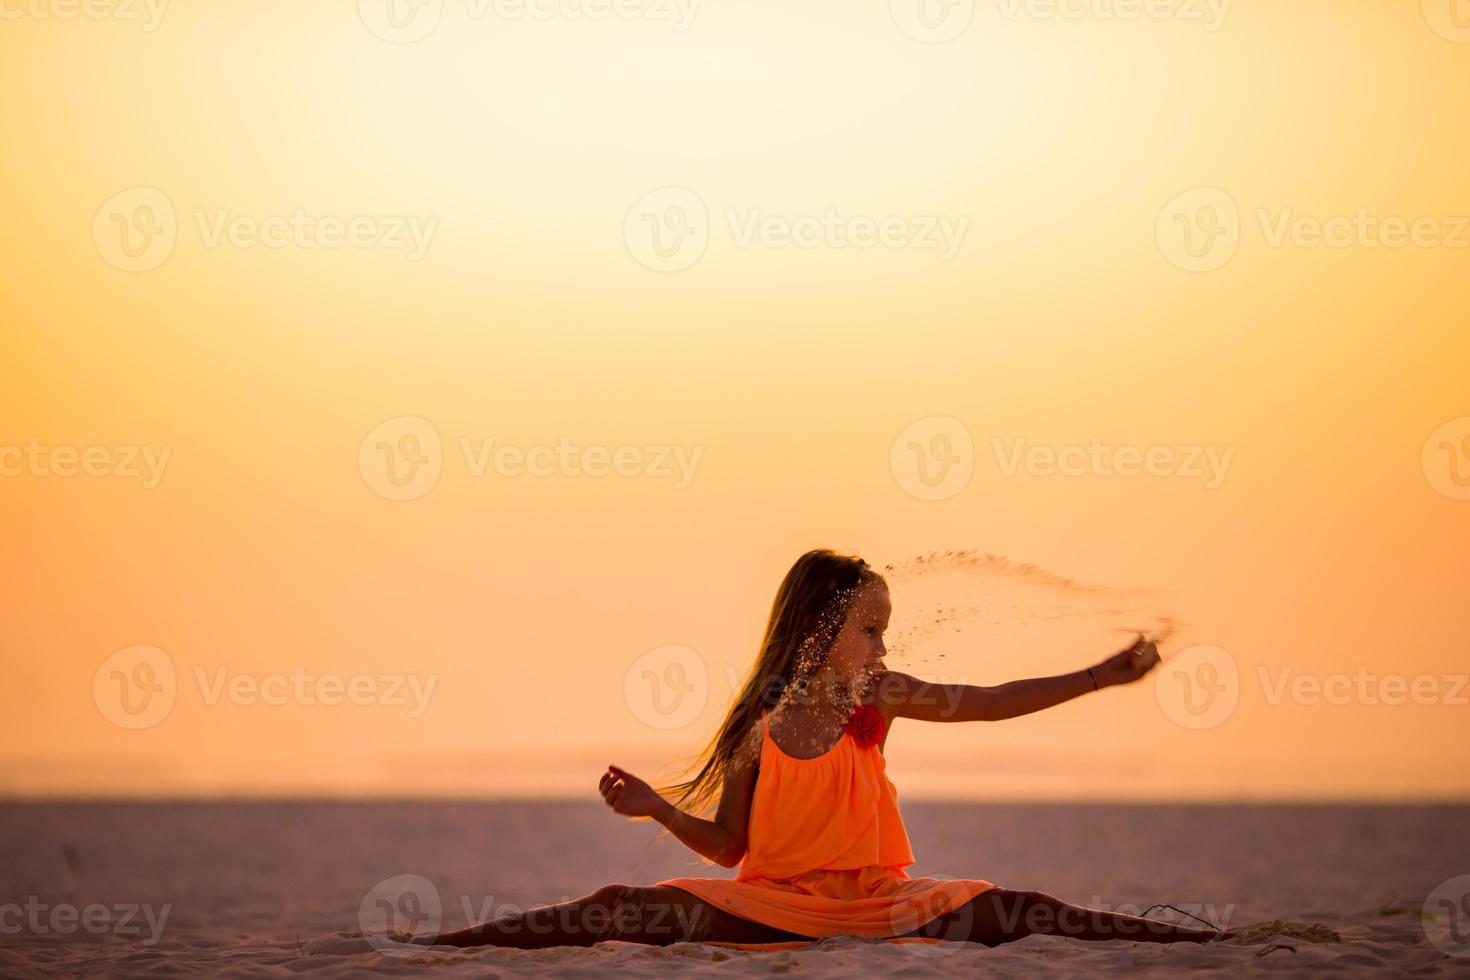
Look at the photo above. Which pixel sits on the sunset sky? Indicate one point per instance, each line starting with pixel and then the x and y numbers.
pixel 254 253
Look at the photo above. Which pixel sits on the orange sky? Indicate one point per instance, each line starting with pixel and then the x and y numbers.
pixel 522 278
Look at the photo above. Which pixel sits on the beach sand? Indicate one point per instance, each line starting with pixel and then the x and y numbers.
pixel 250 889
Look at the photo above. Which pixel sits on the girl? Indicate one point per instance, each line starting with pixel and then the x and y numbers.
pixel 805 806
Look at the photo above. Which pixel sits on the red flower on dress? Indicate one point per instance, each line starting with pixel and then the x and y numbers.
pixel 866 726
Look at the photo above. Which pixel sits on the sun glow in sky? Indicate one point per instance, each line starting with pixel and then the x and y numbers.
pixel 416 399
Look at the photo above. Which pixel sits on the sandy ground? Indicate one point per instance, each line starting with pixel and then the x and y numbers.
pixel 279 888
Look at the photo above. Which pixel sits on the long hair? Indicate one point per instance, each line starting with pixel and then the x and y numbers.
pixel 806 617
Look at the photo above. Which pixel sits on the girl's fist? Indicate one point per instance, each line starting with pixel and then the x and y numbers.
pixel 1127 666
pixel 627 794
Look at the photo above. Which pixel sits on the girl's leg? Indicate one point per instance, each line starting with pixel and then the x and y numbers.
pixel 656 915
pixel 1002 915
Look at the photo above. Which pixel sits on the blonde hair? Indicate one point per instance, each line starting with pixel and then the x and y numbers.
pixel 806 616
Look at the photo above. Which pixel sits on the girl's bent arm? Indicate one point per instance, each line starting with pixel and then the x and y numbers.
pixel 727 831
pixel 705 837
pixel 721 840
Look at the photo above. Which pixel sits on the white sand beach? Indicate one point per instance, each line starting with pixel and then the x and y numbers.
pixel 258 889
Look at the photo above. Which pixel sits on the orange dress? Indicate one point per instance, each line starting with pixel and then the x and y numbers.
pixel 826 851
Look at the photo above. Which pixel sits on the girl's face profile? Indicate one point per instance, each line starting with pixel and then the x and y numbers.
pixel 859 645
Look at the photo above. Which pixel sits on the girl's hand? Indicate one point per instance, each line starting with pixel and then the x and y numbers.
pixel 629 795
pixel 1128 665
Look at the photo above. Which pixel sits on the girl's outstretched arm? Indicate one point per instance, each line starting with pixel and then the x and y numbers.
pixel 903 696
pixel 722 839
